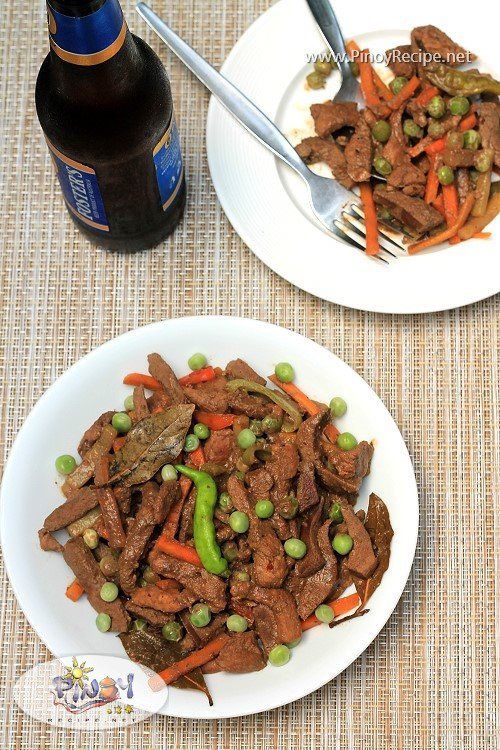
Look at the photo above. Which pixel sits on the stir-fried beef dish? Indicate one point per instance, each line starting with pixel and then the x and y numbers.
pixel 214 520
pixel 425 147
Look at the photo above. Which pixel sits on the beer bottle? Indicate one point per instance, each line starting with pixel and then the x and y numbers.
pixel 104 103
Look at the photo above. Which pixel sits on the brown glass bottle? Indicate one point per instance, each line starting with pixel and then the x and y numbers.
pixel 104 103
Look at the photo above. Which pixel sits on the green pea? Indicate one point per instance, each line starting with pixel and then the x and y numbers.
pixel 241 575
pixel 239 522
pixel 225 502
pixel 382 166
pixel 295 548
pixel 172 631
pixel 197 361
pixel 169 473
pixel 324 67
pixel 109 591
pixel 271 425
pixel 338 406
pixel 436 107
pixel 384 214
pixel 236 624
pixel 65 464
pixel 279 655
pixel 230 551
pixel 435 129
pixel 455 139
pixel 256 426
pixel 336 513
pixel 108 565
pixel 324 613
pixel 342 543
pixel 129 403
pixel 412 130
pixel 381 131
pixel 445 175
pixel 149 575
pixel 121 422
pixel 264 509
pixel 103 622
pixel 246 438
pixel 139 624
pixel 240 475
pixel 459 105
pixel 294 643
pixel 289 507
pixel 472 139
pixel 482 162
pixel 191 443
pixel 91 538
pixel 397 84
pixel 142 583
pixel 315 80
pixel 200 615
pixel 284 372
pixel 201 431
pixel 346 441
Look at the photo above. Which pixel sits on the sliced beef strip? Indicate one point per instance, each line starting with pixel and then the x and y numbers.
pixel 282 466
pixel 152 511
pixel 269 564
pixel 112 518
pixel 239 497
pixel 238 368
pixel 160 370
pixel 399 61
pixel 284 529
pixel 458 157
pixel 411 212
pixel 359 153
pixel 279 601
pixel 407 177
pixel 186 519
pixel 344 580
pixel 489 127
pixel 141 408
pixel 87 571
pixel 85 471
pixel 72 510
pixel 417 111
pixel 464 186
pixel 332 116
pixel 353 464
pixel 153 616
pixel 204 585
pixel 312 591
pixel 433 40
pixel 159 400
pixel 212 396
pixel 239 655
pixel 48 542
pixel 395 148
pixel 361 560
pixel 378 526
pixel 260 483
pixel 313 559
pixel 265 626
pixel 315 149
pixel 307 492
pixel 254 407
pixel 220 446
pixel 164 600
pixel 94 432
pixel 203 635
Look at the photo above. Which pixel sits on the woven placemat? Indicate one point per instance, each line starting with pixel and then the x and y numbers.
pixel 429 679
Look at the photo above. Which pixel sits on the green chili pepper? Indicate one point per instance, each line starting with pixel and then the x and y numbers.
pixel 203 525
pixel 249 386
pixel 461 82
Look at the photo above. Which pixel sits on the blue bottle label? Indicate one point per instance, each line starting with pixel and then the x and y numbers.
pixel 81 190
pixel 87 40
pixel 168 164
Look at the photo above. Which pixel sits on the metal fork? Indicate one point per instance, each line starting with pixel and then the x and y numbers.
pixel 328 198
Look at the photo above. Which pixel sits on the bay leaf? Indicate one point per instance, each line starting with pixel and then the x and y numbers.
pixel 150 444
pixel 148 647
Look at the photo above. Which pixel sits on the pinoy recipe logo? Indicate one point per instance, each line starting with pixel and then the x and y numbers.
pixel 90 692
pixel 396 55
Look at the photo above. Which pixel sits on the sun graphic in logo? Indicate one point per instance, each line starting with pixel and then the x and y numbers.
pixel 78 673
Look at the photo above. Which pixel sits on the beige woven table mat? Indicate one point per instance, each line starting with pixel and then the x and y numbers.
pixel 429 679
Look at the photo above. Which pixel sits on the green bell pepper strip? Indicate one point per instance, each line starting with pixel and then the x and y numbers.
pixel 203 525
pixel 461 82
pixel 278 398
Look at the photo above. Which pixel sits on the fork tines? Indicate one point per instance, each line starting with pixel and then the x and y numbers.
pixel 353 227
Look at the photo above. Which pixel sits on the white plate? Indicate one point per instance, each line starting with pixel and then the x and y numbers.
pixel 267 203
pixel 93 385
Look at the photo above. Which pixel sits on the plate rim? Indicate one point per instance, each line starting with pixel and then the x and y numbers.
pixel 397 590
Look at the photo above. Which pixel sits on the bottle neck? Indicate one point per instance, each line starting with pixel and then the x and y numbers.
pixel 92 50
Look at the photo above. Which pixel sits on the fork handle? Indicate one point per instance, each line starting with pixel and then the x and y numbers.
pixel 330 29
pixel 229 96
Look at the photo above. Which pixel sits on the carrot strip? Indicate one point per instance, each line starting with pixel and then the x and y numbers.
pixel 450 198
pixel 372 246
pixel 178 550
pixel 370 93
pixel 331 432
pixel 190 662
pixel 198 376
pixel 157 410
pixel 454 240
pixel 383 90
pixel 185 484
pixel 468 123
pixel 463 214
pixel 167 584
pixel 136 378
pixel 197 457
pixel 172 521
pixel 419 147
pixel 482 235
pixel 118 444
pixel 435 148
pixel 432 185
pixel 214 421
pixel 75 590
pixel 309 406
pixel 405 93
pixel 438 204
pixel 339 607
pixel 426 95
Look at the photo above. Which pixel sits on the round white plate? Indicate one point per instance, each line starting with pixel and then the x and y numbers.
pixel 268 204
pixel 93 385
